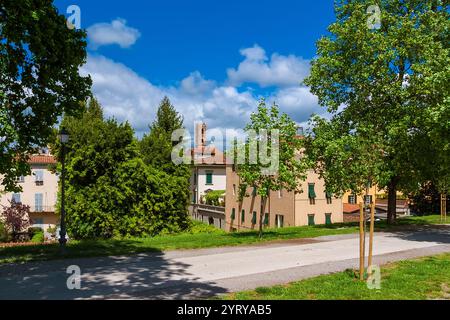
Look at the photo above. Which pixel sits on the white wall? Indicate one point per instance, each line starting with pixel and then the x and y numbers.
pixel 219 179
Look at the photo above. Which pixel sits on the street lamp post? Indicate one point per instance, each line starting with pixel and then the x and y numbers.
pixel 63 138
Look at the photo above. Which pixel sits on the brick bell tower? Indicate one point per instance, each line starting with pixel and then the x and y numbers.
pixel 200 135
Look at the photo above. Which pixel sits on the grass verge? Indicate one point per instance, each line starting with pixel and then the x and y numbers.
pixel 420 279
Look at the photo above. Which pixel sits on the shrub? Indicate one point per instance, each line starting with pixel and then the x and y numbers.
pixel 135 200
pixel 199 227
pixel 16 219
pixel 34 230
pixel 215 198
pixel 52 230
pixel 4 235
pixel 38 237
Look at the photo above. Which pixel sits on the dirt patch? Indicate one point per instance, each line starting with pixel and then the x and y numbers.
pixel 22 244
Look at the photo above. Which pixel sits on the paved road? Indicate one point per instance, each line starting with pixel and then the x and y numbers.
pixel 206 272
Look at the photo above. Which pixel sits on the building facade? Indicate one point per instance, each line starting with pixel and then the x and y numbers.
pixel 208 174
pixel 39 192
pixel 284 209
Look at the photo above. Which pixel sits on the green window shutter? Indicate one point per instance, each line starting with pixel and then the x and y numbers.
pixel 254 218
pixel 254 191
pixel 266 219
pixel 311 221
pixel 243 216
pixel 209 178
pixel 329 195
pixel 328 219
pixel 312 192
pixel 233 214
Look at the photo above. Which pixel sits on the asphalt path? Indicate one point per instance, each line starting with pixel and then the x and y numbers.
pixel 189 274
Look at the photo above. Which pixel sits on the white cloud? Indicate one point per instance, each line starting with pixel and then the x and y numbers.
pixel 123 93
pixel 279 70
pixel 129 97
pixel 116 32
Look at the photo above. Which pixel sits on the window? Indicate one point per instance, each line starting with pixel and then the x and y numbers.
pixel 39 177
pixel 279 221
pixel 266 219
pixel 243 216
pixel 233 214
pixel 311 220
pixel 328 219
pixel 254 218
pixel 20 179
pixel 329 196
pixel 368 200
pixel 254 192
pixel 16 198
pixel 38 202
pixel 234 189
pixel 211 221
pixel 312 193
pixel 38 222
pixel 209 177
pixel 352 199
pixel 280 194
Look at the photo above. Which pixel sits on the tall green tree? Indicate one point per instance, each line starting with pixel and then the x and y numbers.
pixel 110 191
pixel 156 150
pixel 381 85
pixel 39 80
pixel 156 146
pixel 272 152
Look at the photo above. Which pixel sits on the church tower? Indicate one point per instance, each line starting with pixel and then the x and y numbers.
pixel 200 135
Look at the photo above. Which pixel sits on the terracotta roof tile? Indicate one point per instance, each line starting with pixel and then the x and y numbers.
pixel 42 159
pixel 350 208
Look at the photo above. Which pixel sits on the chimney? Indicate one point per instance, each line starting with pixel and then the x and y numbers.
pixel 300 131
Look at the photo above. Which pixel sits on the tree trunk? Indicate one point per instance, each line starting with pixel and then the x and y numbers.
pixel 392 201
pixel 261 216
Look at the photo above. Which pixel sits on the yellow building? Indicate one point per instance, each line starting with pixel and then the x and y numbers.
pixel 39 192
pixel 284 209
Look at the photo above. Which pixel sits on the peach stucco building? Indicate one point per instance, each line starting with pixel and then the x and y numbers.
pixel 39 192
pixel 284 209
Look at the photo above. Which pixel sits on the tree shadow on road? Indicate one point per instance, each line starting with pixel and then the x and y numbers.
pixel 423 233
pixel 143 276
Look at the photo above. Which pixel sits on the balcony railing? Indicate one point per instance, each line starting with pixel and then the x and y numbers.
pixel 42 209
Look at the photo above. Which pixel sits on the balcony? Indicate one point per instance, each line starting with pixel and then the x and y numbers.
pixel 42 209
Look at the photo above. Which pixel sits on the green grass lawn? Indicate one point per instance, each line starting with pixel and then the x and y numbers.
pixel 427 278
pixel 201 236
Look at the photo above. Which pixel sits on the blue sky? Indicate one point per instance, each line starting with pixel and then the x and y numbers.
pixel 214 59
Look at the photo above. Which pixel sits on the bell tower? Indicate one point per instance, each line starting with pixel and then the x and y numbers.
pixel 200 135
